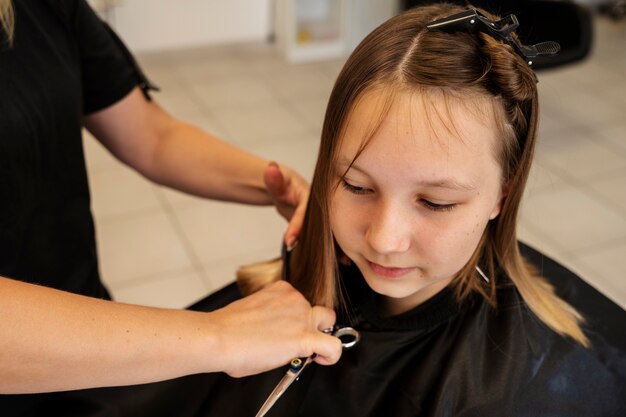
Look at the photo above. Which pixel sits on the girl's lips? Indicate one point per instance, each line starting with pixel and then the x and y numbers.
pixel 389 272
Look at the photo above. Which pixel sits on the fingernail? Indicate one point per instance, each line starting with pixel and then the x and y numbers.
pixel 291 243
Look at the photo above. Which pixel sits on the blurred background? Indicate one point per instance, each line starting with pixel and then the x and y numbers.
pixel 259 73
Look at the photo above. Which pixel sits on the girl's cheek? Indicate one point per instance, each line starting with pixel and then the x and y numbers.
pixel 450 239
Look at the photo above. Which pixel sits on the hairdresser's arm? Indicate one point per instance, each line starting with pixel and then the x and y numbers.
pixel 52 340
pixel 181 156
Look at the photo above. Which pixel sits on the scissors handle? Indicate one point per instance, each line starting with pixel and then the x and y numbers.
pixel 348 336
pixel 297 365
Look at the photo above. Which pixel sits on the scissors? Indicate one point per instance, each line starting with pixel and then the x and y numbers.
pixel 349 338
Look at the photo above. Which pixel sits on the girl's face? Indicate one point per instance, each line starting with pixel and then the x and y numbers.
pixel 411 209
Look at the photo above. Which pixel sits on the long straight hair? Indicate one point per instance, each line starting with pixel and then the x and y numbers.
pixel 7 20
pixel 402 54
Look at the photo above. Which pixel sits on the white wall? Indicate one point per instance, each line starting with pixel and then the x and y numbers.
pixel 366 15
pixel 149 25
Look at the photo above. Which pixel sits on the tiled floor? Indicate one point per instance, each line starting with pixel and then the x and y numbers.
pixel 160 247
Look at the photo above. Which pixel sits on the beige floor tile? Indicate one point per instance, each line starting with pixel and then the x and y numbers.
pixel 559 133
pixel 572 218
pixel 542 179
pixel 178 289
pixel 148 59
pixel 613 189
pixel 555 86
pixel 611 80
pixel 177 199
pixel 614 135
pixel 200 54
pixel 97 156
pixel 301 81
pixel 311 111
pixel 588 108
pixel 217 230
pixel 582 159
pixel 540 241
pixel 161 74
pixel 121 191
pixel 579 93
pixel 333 67
pixel 259 124
pixel 180 103
pixel 221 273
pixel 550 126
pixel 139 246
pixel 261 58
pixel 204 69
pixel 235 92
pixel 299 152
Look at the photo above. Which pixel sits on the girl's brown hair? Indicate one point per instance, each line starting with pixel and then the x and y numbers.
pixel 402 54
pixel 7 22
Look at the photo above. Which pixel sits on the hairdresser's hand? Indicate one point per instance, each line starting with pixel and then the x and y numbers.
pixel 290 193
pixel 271 327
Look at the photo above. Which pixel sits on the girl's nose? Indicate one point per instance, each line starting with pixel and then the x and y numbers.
pixel 388 230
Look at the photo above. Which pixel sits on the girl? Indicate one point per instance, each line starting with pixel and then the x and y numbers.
pixel 410 233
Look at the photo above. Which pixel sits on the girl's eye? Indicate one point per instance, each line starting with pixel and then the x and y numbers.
pixel 353 188
pixel 437 207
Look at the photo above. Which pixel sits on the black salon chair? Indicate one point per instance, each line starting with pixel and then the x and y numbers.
pixel 565 22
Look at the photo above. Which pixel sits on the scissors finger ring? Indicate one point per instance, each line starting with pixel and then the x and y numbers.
pixel 348 336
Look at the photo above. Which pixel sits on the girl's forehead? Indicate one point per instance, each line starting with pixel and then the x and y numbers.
pixel 435 117
pixel 408 138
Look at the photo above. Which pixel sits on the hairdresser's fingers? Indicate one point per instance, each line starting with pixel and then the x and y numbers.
pixel 290 193
pixel 268 329
pixel 295 225
pixel 327 348
pixel 322 318
pixel 298 195
pixel 284 187
pixel 274 180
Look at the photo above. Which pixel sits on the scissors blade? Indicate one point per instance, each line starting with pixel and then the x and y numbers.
pixel 279 390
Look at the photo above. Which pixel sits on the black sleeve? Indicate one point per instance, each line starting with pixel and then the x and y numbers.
pixel 108 70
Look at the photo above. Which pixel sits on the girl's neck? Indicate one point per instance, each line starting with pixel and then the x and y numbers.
pixel 394 306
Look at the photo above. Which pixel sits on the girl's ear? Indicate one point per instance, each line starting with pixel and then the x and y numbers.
pixel 504 191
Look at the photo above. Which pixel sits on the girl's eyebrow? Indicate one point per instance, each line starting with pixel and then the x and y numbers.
pixel 445 182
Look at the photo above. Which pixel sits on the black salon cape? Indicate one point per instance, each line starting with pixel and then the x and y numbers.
pixel 439 359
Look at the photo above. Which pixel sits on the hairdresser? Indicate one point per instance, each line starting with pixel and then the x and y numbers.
pixel 61 69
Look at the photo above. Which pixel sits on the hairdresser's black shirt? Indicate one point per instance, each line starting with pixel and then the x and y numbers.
pixel 440 359
pixel 63 65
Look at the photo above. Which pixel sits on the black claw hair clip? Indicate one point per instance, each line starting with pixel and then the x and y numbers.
pixel 472 20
